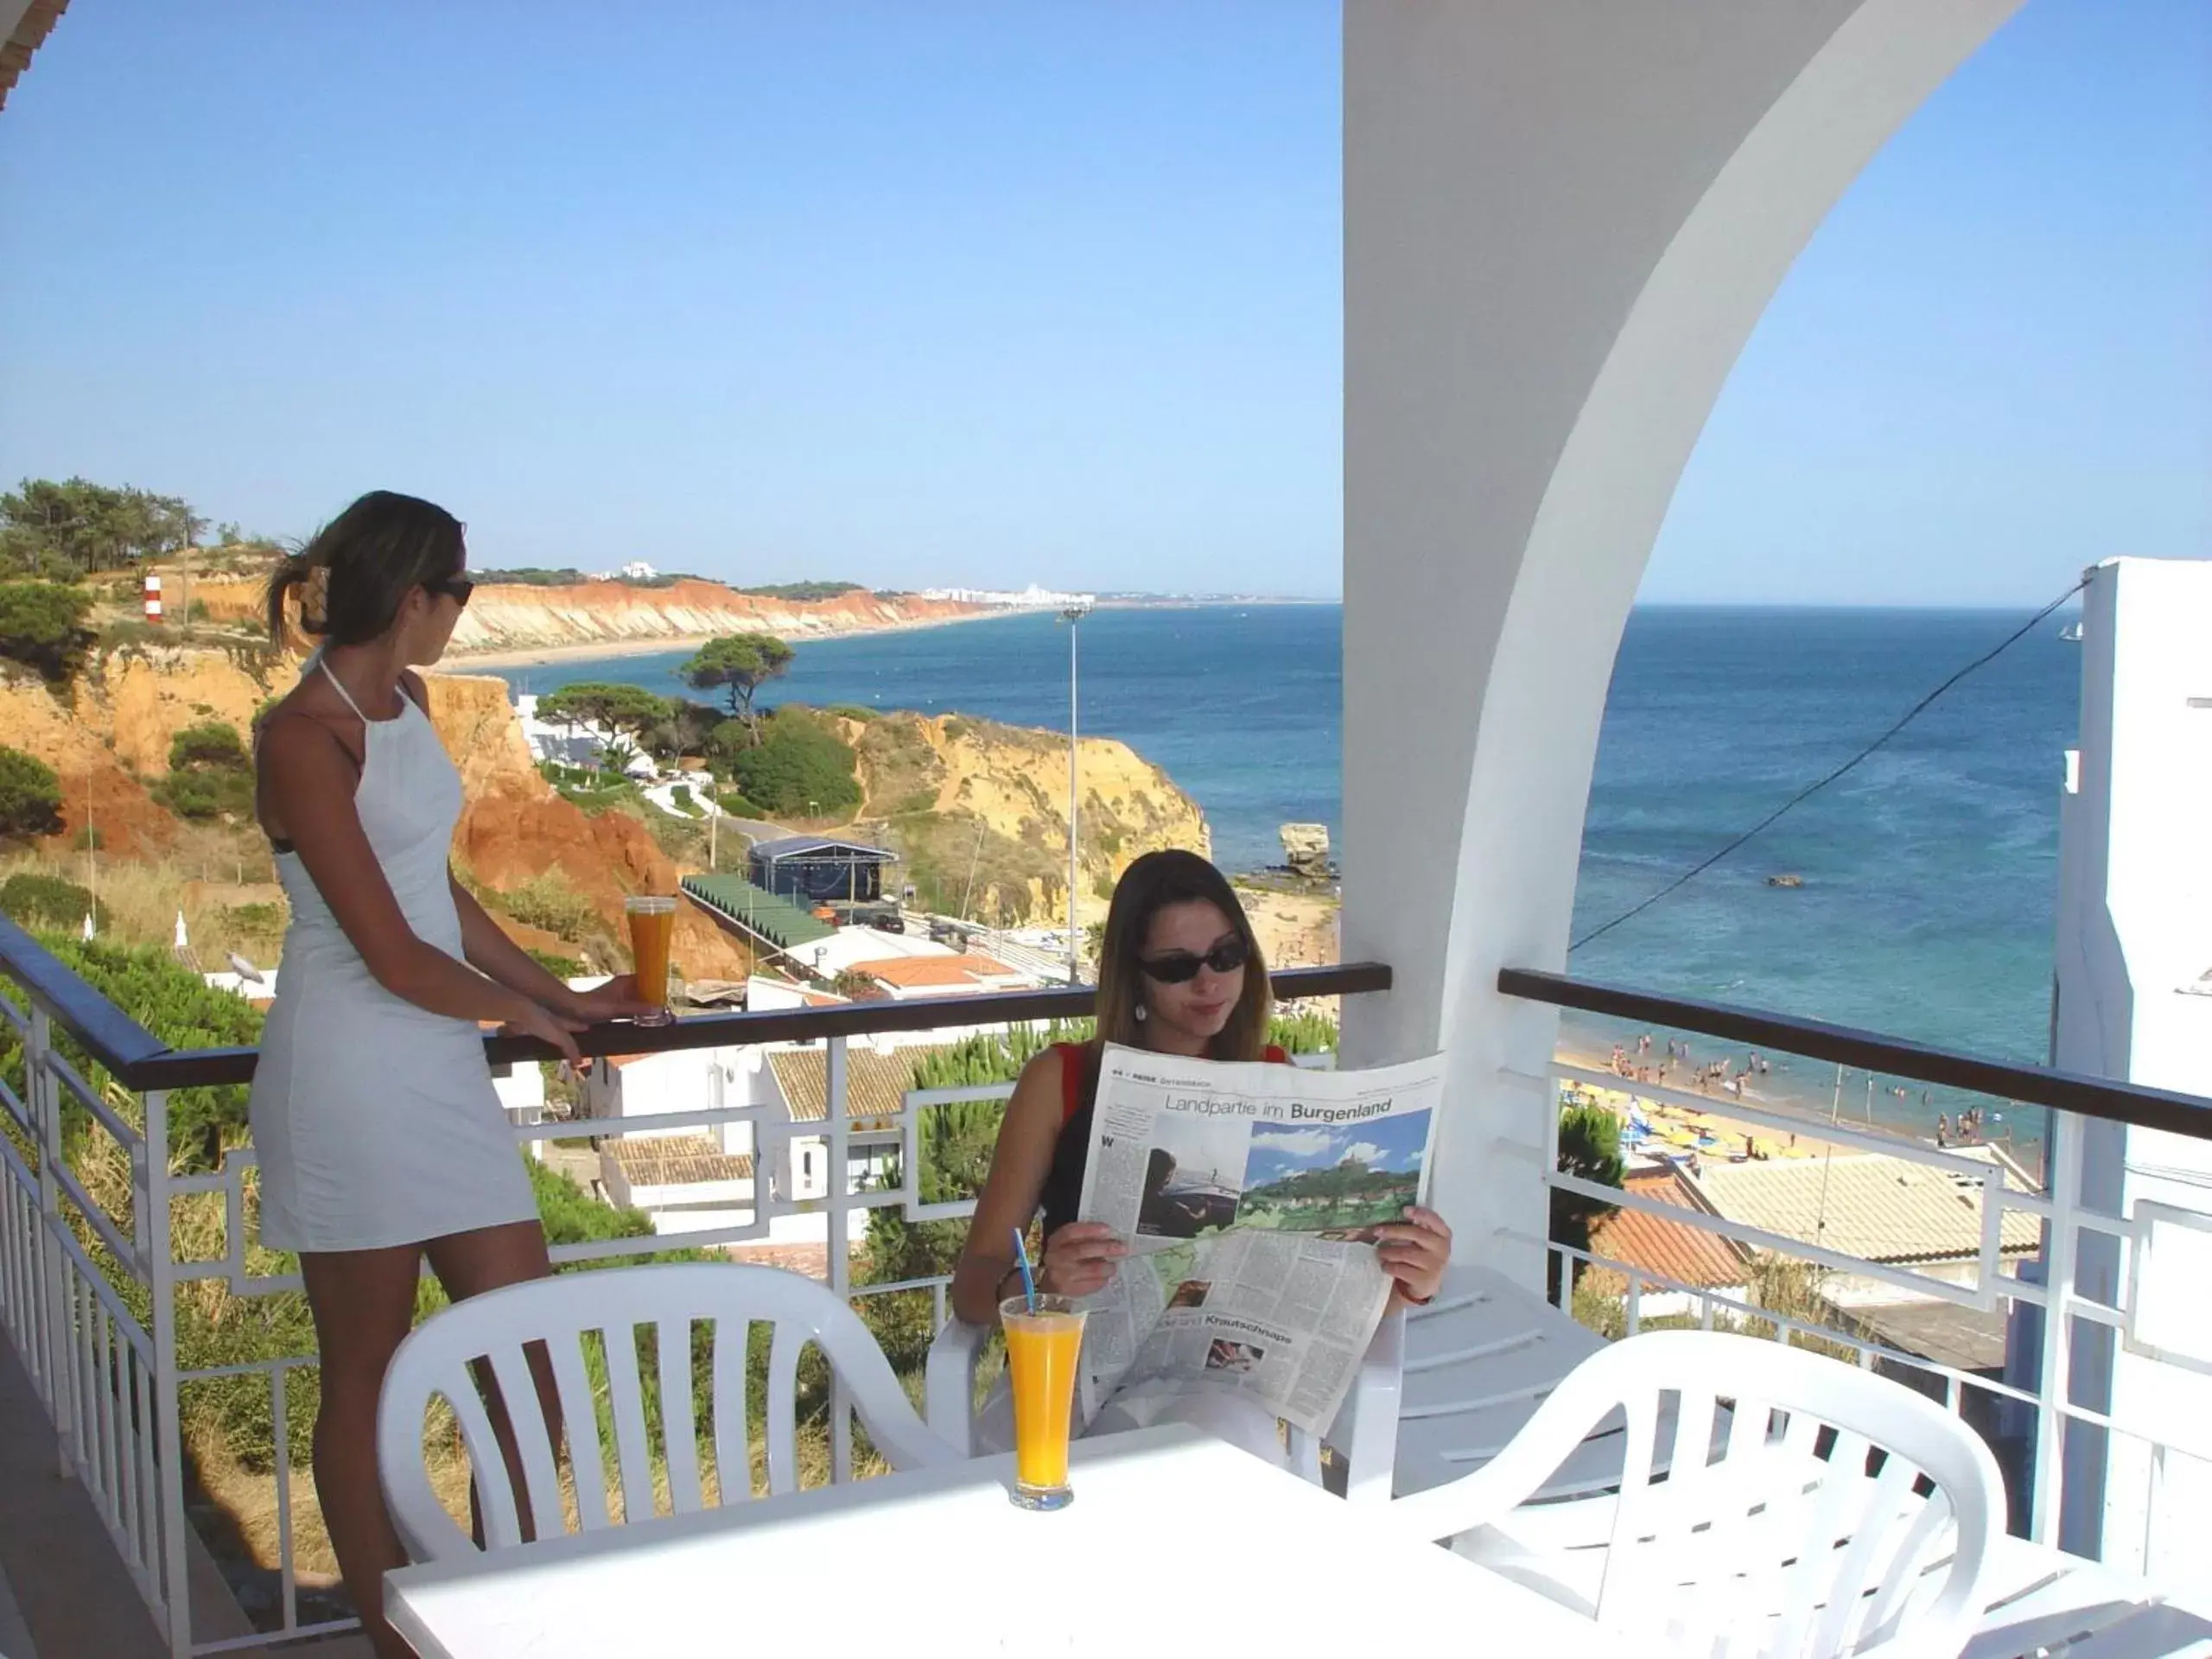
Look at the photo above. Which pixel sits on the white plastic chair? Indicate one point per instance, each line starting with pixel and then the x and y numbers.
pixel 1364 1434
pixel 1830 1512
pixel 435 1360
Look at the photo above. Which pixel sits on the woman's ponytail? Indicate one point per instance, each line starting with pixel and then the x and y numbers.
pixel 359 567
pixel 291 573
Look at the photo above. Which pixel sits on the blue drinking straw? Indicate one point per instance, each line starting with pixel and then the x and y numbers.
pixel 1028 1279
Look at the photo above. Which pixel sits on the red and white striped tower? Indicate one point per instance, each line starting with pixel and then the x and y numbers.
pixel 153 596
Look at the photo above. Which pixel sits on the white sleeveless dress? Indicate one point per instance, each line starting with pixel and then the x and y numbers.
pixel 375 1120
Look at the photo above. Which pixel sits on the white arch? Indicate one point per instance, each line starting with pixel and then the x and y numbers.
pixel 1563 218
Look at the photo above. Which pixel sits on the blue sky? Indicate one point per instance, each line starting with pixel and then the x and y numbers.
pixel 914 293
pixel 1392 1143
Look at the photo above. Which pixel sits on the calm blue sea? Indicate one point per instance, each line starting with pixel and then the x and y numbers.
pixel 1929 872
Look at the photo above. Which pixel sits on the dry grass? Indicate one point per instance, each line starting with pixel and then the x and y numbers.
pixel 222 883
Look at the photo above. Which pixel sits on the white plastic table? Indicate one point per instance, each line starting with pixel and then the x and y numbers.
pixel 1175 1541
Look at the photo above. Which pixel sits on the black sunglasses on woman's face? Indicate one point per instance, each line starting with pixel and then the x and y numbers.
pixel 1179 967
pixel 457 588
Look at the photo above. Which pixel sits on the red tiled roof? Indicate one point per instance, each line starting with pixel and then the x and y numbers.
pixel 1686 1255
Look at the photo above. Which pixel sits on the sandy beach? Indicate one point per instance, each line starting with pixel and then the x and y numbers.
pixel 1678 1127
pixel 462 662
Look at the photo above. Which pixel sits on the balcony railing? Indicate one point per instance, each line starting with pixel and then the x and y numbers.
pixel 2053 1414
pixel 92 1266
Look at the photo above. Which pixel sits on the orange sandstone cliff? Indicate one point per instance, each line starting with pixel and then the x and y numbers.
pixel 108 740
pixel 514 617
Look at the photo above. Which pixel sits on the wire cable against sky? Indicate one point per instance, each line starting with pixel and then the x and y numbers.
pixel 1812 789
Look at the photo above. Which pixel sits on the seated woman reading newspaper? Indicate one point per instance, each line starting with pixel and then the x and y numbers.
pixel 1180 972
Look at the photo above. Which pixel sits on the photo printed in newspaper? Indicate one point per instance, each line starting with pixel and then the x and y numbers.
pixel 1249 1194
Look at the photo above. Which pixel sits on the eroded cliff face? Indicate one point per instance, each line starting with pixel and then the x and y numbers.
pixel 959 795
pixel 518 617
pixel 95 790
pixel 140 700
pixel 111 738
pixel 514 826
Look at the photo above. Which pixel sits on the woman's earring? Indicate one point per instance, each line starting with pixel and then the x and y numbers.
pixel 1139 1014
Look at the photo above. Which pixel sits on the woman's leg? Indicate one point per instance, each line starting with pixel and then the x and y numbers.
pixel 469 1264
pixel 363 1302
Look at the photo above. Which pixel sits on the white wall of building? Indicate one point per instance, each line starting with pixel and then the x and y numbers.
pixel 682 1080
pixel 1561 222
pixel 2134 935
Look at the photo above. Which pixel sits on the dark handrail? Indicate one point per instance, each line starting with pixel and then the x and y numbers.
pixel 105 1032
pixel 183 1068
pixel 2034 1085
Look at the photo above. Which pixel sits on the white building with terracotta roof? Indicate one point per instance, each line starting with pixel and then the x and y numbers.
pixel 1893 1210
pixel 968 973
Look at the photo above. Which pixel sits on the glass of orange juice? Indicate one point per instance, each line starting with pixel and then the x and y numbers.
pixel 1044 1340
pixel 653 925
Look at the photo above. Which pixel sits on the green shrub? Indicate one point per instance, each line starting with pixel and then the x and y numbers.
pixel 43 626
pixel 560 967
pixel 737 806
pixel 175 1004
pixel 30 794
pixel 256 921
pixel 804 591
pixel 729 738
pixel 1304 1032
pixel 211 774
pixel 611 708
pixel 801 766
pixel 210 743
pixel 679 797
pixel 548 902
pixel 36 900
pixel 853 711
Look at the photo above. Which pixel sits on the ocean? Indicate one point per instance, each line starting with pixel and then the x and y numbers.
pixel 1930 874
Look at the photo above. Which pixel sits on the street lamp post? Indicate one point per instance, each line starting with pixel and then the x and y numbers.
pixel 1072 614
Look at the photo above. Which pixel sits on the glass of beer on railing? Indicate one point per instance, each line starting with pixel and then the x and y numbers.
pixel 1043 1342
pixel 652 927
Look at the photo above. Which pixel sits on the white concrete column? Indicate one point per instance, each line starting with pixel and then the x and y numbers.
pixel 1561 221
pixel 2134 938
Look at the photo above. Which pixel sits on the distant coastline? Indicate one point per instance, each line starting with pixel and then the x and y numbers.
pixel 604 649
pixel 461 661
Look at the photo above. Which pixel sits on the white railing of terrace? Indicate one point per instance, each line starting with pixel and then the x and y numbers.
pixel 2067 1228
pixel 101 1346
pixel 91 1356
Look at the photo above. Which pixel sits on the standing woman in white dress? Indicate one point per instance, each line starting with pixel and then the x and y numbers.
pixel 380 1139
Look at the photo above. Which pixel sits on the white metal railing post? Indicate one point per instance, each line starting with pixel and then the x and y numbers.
pixel 840 1263
pixel 58 1374
pixel 2054 1387
pixel 161 1274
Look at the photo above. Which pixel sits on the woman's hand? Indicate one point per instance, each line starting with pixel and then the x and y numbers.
pixel 616 1000
pixel 1415 1252
pixel 1079 1259
pixel 535 1019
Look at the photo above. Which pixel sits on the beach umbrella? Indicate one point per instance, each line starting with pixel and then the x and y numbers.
pixel 88 927
pixel 183 942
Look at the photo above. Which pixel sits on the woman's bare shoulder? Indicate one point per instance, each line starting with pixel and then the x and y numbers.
pixel 1038 1091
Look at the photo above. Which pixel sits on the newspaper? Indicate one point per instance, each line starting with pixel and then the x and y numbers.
pixel 1249 1195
